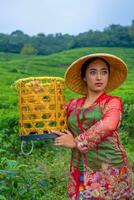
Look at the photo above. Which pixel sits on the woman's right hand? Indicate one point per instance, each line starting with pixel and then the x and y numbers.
pixel 65 139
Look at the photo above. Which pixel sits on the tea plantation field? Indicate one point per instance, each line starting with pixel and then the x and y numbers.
pixel 43 174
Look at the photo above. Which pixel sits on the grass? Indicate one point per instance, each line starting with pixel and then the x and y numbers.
pixel 52 161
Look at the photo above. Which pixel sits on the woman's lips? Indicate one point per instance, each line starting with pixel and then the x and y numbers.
pixel 98 84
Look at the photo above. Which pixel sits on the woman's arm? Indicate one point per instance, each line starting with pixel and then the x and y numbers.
pixel 102 129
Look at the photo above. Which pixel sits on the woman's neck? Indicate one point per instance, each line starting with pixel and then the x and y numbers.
pixel 92 96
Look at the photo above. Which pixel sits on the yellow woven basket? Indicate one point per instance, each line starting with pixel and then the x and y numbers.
pixel 41 105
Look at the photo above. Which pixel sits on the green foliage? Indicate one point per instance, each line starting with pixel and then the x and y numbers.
pixel 19 182
pixel 43 174
pixel 114 35
pixel 128 118
pixel 28 49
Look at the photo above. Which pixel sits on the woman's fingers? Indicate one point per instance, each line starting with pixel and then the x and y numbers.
pixel 63 133
pixel 68 132
pixel 58 133
pixel 65 139
pixel 58 142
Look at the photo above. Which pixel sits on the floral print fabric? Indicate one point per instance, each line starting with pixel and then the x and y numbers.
pixel 106 173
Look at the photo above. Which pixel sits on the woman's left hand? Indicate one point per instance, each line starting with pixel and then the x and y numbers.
pixel 65 139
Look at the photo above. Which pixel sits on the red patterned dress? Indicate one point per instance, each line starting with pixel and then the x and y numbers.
pixel 99 168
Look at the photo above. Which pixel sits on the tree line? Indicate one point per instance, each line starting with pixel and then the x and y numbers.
pixel 114 35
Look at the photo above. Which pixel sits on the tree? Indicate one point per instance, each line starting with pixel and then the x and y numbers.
pixel 117 36
pixel 114 35
pixel 17 39
pixel 131 32
pixel 28 49
pixel 4 40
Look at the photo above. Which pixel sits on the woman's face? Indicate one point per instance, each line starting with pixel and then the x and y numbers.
pixel 97 75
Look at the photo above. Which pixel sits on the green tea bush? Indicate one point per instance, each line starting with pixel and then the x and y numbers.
pixel 128 118
pixel 43 174
pixel 18 182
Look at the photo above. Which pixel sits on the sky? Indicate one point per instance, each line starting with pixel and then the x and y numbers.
pixel 63 16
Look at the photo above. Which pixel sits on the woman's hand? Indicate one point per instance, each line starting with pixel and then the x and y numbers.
pixel 65 139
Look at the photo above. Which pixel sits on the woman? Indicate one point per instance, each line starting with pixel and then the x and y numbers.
pixel 99 167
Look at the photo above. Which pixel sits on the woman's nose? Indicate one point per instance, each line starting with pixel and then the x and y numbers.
pixel 98 76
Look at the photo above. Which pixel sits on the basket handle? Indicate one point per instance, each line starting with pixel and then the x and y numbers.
pixel 22 148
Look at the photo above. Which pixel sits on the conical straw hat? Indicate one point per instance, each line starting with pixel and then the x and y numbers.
pixel 118 73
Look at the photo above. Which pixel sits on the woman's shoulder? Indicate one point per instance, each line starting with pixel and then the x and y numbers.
pixel 113 101
pixel 73 102
pixel 113 98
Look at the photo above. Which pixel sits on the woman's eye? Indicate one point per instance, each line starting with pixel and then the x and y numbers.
pixel 104 72
pixel 92 72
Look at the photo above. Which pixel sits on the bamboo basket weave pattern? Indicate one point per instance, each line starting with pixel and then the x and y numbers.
pixel 41 105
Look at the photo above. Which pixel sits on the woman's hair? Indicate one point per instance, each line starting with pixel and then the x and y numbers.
pixel 88 62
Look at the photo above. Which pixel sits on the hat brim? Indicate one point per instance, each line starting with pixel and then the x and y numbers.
pixel 118 73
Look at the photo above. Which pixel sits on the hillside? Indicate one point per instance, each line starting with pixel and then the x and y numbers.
pixel 44 172
pixel 15 66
